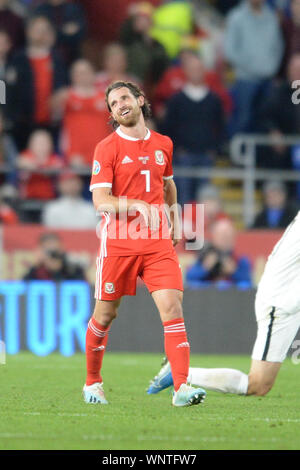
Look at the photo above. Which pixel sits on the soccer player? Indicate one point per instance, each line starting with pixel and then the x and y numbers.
pixel 132 174
pixel 277 309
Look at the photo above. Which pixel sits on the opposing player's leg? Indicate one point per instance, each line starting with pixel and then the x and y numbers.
pixel 218 380
pixel 262 377
pixel 177 348
pixel 96 340
pixel 275 334
pixel 162 380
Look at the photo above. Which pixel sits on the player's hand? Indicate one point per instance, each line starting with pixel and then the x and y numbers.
pixel 70 28
pixel 278 142
pixel 149 213
pixel 154 218
pixel 77 161
pixel 175 241
pixel 229 265
pixel 210 260
pixel 26 164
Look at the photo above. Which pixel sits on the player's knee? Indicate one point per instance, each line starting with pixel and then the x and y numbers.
pixel 173 310
pixel 106 317
pixel 259 387
pixel 262 390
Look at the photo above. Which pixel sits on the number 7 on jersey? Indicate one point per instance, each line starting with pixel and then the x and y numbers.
pixel 147 175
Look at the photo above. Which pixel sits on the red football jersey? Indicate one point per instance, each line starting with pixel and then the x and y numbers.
pixel 135 169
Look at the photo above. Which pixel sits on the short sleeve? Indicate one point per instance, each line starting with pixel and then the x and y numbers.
pixel 168 173
pixel 102 173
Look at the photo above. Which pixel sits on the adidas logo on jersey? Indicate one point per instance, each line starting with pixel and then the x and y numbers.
pixel 127 160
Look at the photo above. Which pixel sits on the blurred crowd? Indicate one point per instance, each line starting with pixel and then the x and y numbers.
pixel 211 69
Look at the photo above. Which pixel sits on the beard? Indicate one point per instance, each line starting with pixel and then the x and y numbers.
pixel 130 119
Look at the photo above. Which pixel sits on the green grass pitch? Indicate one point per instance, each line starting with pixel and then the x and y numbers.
pixel 42 408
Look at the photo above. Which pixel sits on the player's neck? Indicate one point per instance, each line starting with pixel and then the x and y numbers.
pixel 139 131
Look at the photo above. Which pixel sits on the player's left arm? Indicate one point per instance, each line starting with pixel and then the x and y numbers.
pixel 170 198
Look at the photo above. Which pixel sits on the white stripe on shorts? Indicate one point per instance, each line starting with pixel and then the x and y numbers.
pixel 100 259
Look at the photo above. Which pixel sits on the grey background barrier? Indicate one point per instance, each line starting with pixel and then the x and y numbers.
pixel 217 322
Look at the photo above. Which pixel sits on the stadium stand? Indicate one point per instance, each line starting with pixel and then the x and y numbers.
pixel 86 52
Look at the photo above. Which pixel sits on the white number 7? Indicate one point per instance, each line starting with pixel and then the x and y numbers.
pixel 147 174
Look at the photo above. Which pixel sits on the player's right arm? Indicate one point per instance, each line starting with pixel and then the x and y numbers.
pixel 104 201
pixel 101 187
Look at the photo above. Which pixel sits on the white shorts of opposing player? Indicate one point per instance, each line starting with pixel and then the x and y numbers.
pixel 276 330
pixel 277 303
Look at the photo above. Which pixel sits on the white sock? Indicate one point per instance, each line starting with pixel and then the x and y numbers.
pixel 219 380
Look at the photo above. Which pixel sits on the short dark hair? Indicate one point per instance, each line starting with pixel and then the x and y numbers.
pixel 135 91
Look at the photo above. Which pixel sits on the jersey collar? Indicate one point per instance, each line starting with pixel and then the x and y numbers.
pixel 128 137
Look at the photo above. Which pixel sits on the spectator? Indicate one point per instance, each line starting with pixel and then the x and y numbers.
pixel 52 263
pixel 223 6
pixel 33 163
pixel 277 212
pixel 291 34
pixel 85 115
pixel 39 72
pixel 8 153
pixel 114 67
pixel 217 262
pixel 21 6
pixel 174 79
pixel 209 30
pixel 172 21
pixel 281 6
pixel 209 197
pixel 8 75
pixel 70 210
pixel 194 120
pixel 5 51
pixel 12 23
pixel 280 116
pixel 254 47
pixel 69 21
pixel 147 58
pixel 7 214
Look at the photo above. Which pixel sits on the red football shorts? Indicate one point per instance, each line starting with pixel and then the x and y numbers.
pixel 117 275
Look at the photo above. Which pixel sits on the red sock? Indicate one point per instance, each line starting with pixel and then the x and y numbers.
pixel 95 344
pixel 177 350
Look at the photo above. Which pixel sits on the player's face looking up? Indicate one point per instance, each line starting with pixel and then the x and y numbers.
pixel 126 109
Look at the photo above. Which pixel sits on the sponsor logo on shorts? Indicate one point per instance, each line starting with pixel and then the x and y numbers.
pixel 109 287
pixel 96 168
pixel 159 157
